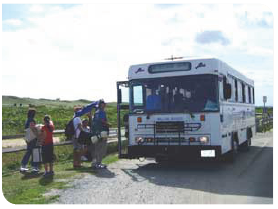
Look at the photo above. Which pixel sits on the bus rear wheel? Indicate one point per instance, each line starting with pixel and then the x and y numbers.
pixel 246 145
pixel 231 155
pixel 161 159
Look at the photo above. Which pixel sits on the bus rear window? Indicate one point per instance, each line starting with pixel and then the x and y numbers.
pixel 170 67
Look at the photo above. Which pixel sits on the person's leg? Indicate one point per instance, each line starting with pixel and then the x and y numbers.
pixel 92 151
pixel 100 152
pixel 51 154
pixel 103 151
pixel 26 156
pixel 98 148
pixel 51 167
pixel 76 153
pixel 46 167
pixel 35 165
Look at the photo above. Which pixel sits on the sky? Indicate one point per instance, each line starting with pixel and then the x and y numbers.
pixel 79 51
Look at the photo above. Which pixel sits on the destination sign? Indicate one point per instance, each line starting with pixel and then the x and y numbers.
pixel 170 67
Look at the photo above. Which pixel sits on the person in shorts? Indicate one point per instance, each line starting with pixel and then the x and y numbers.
pixel 47 146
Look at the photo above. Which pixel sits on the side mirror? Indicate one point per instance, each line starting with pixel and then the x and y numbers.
pixel 119 96
pixel 227 91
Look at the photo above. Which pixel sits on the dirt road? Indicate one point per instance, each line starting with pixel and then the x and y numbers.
pixel 248 180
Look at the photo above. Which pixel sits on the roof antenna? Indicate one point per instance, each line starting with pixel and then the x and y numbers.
pixel 173 58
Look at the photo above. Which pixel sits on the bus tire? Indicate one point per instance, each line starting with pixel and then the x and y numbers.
pixel 161 159
pixel 231 155
pixel 246 145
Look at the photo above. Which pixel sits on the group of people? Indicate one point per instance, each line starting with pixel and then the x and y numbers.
pixel 38 136
pixel 89 138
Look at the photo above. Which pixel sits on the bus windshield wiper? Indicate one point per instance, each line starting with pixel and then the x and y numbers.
pixel 189 112
pixel 137 111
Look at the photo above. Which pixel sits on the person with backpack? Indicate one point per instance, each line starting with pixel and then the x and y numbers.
pixel 75 132
pixel 47 146
pixel 31 137
pixel 100 129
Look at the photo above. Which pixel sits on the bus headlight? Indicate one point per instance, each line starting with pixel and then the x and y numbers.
pixel 204 139
pixel 139 140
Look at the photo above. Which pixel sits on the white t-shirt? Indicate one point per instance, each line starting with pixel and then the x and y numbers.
pixel 86 129
pixel 77 121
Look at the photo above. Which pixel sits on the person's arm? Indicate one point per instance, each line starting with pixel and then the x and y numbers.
pixel 86 109
pixel 42 136
pixel 27 123
pixel 35 131
pixel 79 126
pixel 50 126
pixel 90 119
pixel 104 119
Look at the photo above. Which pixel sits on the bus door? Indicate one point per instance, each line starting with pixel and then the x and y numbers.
pixel 122 117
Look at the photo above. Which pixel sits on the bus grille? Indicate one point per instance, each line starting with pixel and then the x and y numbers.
pixel 169 127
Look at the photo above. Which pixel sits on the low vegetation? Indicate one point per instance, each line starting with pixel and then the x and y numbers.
pixel 31 189
pixel 14 116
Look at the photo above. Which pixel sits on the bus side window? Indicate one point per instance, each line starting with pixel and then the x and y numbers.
pixel 221 93
pixel 253 93
pixel 243 93
pixel 239 91
pixel 236 91
pixel 227 89
pixel 249 95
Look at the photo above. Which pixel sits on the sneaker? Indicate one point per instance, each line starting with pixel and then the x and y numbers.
pixel 45 174
pixel 49 173
pixel 95 166
pixel 23 169
pixel 83 158
pixel 102 165
pixel 35 170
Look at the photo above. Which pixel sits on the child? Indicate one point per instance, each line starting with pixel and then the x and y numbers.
pixel 31 137
pixel 47 146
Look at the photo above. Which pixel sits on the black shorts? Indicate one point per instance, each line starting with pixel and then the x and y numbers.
pixel 47 153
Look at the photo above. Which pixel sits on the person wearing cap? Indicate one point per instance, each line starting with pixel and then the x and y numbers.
pixel 101 146
pixel 47 145
pixel 31 137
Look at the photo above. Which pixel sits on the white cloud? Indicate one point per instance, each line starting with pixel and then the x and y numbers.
pixel 13 22
pixel 93 45
pixel 36 8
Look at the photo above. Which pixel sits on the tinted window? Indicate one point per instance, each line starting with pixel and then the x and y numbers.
pixel 176 94
pixel 170 67
pixel 243 93
pixel 236 93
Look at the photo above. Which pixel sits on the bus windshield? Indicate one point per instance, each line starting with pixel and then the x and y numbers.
pixel 196 93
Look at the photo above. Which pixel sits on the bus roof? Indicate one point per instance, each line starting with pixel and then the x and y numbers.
pixel 187 66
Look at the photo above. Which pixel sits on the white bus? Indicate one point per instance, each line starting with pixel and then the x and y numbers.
pixel 185 109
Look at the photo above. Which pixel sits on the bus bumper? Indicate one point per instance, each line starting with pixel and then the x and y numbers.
pixel 174 151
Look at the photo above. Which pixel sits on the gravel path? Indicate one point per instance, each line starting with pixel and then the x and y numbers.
pixel 133 182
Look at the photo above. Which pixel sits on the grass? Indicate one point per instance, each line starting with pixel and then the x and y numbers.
pixel 13 118
pixel 31 189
